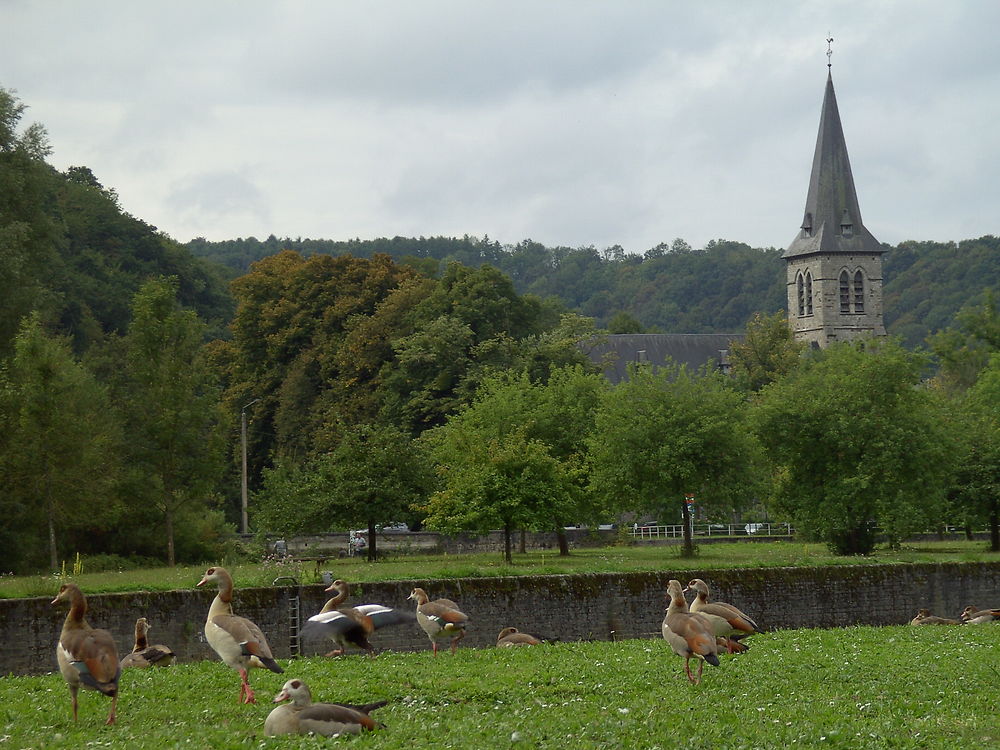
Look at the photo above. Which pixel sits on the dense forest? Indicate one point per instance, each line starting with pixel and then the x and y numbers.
pixel 444 381
pixel 672 288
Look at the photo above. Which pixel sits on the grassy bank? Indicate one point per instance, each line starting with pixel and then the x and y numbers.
pixel 640 557
pixel 894 687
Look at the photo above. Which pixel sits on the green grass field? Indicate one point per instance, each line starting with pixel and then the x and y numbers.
pixel 893 687
pixel 615 559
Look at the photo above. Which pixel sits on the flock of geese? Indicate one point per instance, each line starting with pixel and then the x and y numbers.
pixel 88 656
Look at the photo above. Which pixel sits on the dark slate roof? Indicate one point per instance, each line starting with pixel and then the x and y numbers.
pixel 691 349
pixel 832 199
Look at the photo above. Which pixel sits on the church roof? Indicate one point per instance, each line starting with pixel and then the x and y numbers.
pixel 614 352
pixel 832 221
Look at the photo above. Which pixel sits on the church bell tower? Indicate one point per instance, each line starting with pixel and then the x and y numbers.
pixel 834 264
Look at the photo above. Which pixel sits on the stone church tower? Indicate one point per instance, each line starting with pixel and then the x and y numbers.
pixel 834 264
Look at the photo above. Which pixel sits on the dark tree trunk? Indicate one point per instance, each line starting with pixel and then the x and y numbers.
pixel 372 552
pixel 688 550
pixel 507 545
pixel 563 542
pixel 169 523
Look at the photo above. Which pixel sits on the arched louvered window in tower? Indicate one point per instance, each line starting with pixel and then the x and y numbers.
pixel 845 293
pixel 859 291
pixel 800 287
pixel 809 293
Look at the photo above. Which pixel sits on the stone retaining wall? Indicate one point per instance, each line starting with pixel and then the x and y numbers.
pixel 577 607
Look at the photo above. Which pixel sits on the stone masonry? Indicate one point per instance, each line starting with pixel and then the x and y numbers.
pixel 571 608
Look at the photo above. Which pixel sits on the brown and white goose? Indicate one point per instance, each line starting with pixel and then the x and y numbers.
pixel 924 617
pixel 973 616
pixel 143 655
pixel 441 619
pixel 351 627
pixel 237 640
pixel 302 716
pixel 728 622
pixel 510 637
pixel 87 656
pixel 689 634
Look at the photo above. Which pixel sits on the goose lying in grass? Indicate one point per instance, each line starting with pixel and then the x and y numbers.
pixel 302 716
pixel 973 616
pixel 510 637
pixel 924 617
pixel 143 655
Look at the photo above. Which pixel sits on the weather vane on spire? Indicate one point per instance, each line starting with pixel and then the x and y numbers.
pixel 829 51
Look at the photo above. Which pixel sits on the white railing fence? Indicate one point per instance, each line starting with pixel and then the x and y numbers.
pixel 713 529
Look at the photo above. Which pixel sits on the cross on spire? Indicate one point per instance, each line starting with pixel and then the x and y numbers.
pixel 829 51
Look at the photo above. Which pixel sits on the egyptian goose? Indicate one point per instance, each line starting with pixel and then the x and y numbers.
pixel 237 640
pixel 924 617
pixel 87 656
pixel 728 622
pixel 440 619
pixel 302 716
pixel 351 626
pixel 689 634
pixel 143 655
pixel 510 637
pixel 972 616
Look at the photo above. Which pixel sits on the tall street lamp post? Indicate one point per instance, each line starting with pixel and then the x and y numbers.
pixel 244 526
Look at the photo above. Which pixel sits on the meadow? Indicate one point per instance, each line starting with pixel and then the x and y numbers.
pixel 861 687
pixel 614 559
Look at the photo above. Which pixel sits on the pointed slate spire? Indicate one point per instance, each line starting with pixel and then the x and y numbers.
pixel 832 221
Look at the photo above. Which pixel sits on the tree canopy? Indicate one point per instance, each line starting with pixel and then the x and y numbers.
pixel 662 435
pixel 858 445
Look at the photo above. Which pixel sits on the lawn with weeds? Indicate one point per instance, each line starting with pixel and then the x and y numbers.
pixel 891 687
pixel 616 559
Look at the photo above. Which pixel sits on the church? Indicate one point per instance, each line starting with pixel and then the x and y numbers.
pixel 833 271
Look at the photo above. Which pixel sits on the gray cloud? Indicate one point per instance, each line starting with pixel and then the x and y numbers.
pixel 571 122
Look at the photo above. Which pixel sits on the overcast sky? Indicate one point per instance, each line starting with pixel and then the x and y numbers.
pixel 569 122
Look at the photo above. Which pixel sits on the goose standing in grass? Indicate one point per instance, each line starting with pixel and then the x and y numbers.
pixel 510 637
pixel 973 616
pixel 143 655
pixel 924 617
pixel 351 627
pixel 237 640
pixel 728 622
pixel 441 619
pixel 689 634
pixel 302 716
pixel 87 656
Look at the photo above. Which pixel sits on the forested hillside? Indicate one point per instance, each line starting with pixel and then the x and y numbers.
pixel 69 252
pixel 671 288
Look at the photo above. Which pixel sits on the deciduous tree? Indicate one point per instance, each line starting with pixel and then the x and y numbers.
pixel 59 439
pixel 512 412
pixel 372 476
pixel 767 353
pixel 977 485
pixel 660 435
pixel 172 407
pixel 858 443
